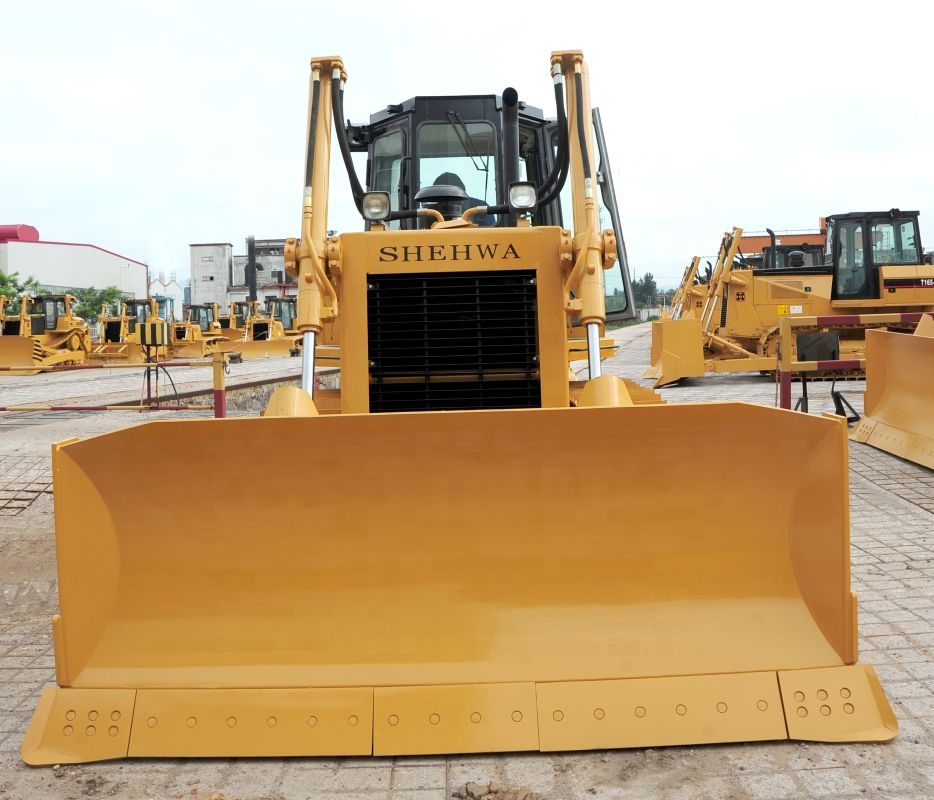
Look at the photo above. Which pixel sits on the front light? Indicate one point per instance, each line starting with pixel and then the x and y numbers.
pixel 523 197
pixel 375 206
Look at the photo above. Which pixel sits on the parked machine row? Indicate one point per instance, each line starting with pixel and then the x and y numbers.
pixel 44 331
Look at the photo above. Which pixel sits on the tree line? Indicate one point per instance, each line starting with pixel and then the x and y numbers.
pixel 89 300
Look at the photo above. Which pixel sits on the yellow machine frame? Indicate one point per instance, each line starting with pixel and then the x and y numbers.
pixel 739 324
pixel 69 342
pixel 426 585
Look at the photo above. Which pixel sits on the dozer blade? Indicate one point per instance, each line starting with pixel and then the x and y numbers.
pixel 273 348
pixel 899 403
pixel 677 351
pixel 20 351
pixel 449 582
pixel 125 352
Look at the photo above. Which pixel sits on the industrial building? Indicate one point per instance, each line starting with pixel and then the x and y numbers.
pixel 211 272
pixel 219 276
pixel 63 266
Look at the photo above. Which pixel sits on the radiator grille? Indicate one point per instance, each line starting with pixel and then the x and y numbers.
pixel 444 341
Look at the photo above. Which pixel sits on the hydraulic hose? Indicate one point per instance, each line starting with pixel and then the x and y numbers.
pixel 581 130
pixel 337 100
pixel 558 168
pixel 312 128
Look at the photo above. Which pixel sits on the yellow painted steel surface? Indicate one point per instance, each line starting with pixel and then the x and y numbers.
pixel 410 720
pixel 438 549
pixel 649 712
pixel 899 403
pixel 253 722
pixel 26 352
pixel 677 351
pixel 75 725
pixel 475 250
pixel 20 351
pixel 842 704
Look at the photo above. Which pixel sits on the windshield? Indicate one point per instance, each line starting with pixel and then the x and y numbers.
pixel 894 242
pixel 165 309
pixel 53 310
pixel 465 149
pixel 288 314
pixel 203 316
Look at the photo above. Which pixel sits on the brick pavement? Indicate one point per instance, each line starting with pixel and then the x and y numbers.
pixel 892 570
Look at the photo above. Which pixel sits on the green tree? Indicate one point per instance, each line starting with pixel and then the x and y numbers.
pixel 12 286
pixel 645 290
pixel 90 301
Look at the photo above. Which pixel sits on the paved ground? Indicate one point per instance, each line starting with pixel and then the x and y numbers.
pixel 893 542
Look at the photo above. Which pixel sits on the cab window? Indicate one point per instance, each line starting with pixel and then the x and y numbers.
pixel 893 242
pixel 386 175
pixel 465 149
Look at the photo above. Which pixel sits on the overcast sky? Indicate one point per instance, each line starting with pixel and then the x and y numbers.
pixel 143 127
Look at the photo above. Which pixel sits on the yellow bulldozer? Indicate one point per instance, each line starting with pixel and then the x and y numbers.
pixel 200 334
pixel 43 333
pixel 470 559
pixel 689 294
pixel 233 323
pixel 118 336
pixel 253 332
pixel 872 263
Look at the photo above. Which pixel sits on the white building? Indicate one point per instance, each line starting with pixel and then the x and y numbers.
pixel 161 287
pixel 211 272
pixel 60 266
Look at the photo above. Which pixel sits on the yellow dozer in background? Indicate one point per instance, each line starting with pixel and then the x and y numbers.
pixel 470 557
pixel 688 298
pixel 260 335
pixel 899 403
pixel 872 263
pixel 43 333
pixel 233 323
pixel 199 335
pixel 118 334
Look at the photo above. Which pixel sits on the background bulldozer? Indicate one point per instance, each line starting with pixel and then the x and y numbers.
pixel 199 335
pixel 43 333
pixel 118 336
pixel 233 323
pixel 456 569
pixel 258 334
pixel 872 263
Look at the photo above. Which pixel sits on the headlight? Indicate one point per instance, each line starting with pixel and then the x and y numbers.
pixel 375 206
pixel 523 197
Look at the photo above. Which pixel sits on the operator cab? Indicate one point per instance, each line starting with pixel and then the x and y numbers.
pixel 239 313
pixel 282 309
pixel 137 313
pixel 166 306
pixel 790 258
pixel 202 316
pixel 456 139
pixel 859 243
pixel 455 153
pixel 45 311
